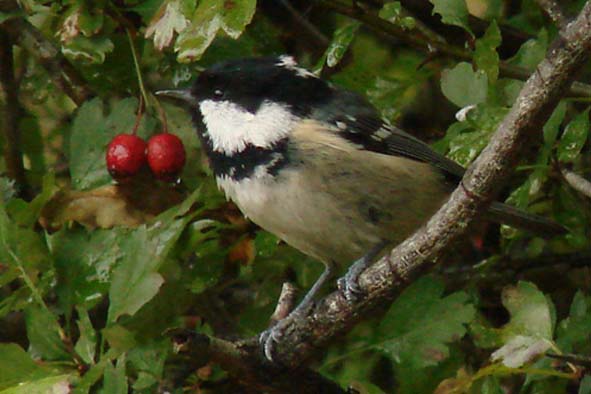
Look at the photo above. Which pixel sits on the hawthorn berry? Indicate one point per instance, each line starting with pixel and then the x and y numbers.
pixel 126 154
pixel 166 156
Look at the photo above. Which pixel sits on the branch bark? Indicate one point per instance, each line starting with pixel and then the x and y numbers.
pixel 334 316
pixel 552 9
pixel 423 43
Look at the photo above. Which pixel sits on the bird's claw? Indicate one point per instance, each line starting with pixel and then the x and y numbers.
pixel 349 287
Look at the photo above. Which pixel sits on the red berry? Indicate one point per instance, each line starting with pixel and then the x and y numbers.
pixel 126 154
pixel 166 156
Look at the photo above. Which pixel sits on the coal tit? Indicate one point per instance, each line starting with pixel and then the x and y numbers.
pixel 318 167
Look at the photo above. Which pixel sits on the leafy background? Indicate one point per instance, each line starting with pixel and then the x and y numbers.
pixel 93 274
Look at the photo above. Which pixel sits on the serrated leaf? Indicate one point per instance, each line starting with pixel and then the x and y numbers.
pixel 532 51
pixel 86 345
pixel 392 12
pixel 340 43
pixel 453 12
pixel 59 384
pixel 166 22
pixel 27 213
pixel 92 50
pixel 573 333
pixel 520 350
pixel 115 380
pixel 84 262
pixel 529 331
pixel 43 333
pixel 574 138
pixel 486 57
pixel 149 360
pixel 421 323
pixel 464 86
pixel 136 280
pixel 231 16
pixel 17 367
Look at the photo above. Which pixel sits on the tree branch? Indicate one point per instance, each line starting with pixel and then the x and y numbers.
pixel 60 70
pixel 11 111
pixel 423 43
pixel 244 364
pixel 552 9
pixel 334 316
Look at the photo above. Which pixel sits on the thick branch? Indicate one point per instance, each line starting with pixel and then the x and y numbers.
pixel 60 70
pixel 10 115
pixel 423 43
pixel 577 182
pixel 334 316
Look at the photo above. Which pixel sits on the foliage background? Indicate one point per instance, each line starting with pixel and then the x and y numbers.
pixel 93 274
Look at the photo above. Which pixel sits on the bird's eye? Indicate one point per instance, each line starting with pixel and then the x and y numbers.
pixel 218 93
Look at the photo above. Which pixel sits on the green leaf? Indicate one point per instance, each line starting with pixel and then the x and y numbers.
pixel 86 345
pixel 59 384
pixel 532 51
pixel 231 16
pixel 91 133
pixel 84 262
pixel 573 333
pixel 27 213
pixel 453 12
pixel 574 138
pixel 120 340
pixel 91 50
pixel 464 86
pixel 585 386
pixel 168 20
pixel 149 360
pixel 136 279
pixel 421 323
pixel 17 367
pixel 392 12
pixel 340 43
pixel 486 57
pixel 115 380
pixel 529 331
pixel 43 333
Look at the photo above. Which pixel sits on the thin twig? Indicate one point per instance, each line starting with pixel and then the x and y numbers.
pixel 552 9
pixel 577 182
pixel 421 42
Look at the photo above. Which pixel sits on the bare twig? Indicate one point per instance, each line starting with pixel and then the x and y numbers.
pixel 577 182
pixel 552 9
pixel 423 43
pixel 285 303
pixel 540 94
pixel 11 111
pixel 60 70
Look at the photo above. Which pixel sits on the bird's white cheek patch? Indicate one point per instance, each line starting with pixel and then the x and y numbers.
pixel 231 128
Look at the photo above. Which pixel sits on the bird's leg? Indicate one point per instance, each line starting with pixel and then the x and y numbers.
pixel 349 285
pixel 269 337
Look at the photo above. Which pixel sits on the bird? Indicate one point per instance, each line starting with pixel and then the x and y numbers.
pixel 317 166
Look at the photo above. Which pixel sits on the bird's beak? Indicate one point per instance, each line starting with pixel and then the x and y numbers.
pixel 183 95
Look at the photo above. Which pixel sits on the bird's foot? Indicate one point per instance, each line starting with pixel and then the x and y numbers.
pixel 271 336
pixel 349 286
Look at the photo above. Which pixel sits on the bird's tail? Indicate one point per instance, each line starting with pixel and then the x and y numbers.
pixel 515 217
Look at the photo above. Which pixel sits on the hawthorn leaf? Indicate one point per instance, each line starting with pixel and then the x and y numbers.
pixel 43 333
pixel 574 138
pixel 86 345
pixel 421 323
pixel 167 21
pixel 392 12
pixel 91 50
pixel 453 12
pixel 17 367
pixel 463 86
pixel 115 380
pixel 486 57
pixel 340 43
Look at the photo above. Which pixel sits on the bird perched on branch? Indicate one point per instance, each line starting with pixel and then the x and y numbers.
pixel 318 167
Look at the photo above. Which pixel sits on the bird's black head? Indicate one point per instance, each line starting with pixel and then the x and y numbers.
pixel 250 82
